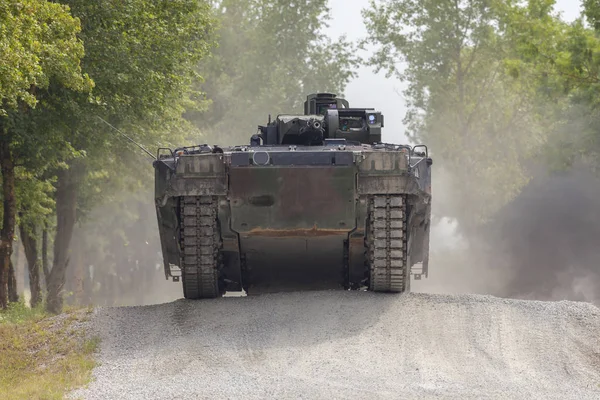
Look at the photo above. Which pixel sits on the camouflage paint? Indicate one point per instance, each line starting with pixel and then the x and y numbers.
pixel 309 201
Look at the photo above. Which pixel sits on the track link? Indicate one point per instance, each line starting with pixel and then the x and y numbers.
pixel 200 245
pixel 387 247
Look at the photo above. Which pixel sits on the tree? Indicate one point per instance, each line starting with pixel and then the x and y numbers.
pixel 40 47
pixel 577 69
pixel 470 97
pixel 36 207
pixel 271 54
pixel 592 12
pixel 566 58
pixel 142 56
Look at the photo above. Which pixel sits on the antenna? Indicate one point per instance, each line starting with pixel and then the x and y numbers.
pixel 128 138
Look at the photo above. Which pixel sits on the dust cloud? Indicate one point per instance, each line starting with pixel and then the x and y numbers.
pixel 549 238
pixel 541 246
pixel 116 256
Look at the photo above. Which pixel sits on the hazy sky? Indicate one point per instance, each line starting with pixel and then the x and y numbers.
pixel 374 90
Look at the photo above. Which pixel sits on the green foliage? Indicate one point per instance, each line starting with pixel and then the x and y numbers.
pixel 35 199
pixel 143 57
pixel 472 90
pixel 19 312
pixel 566 59
pixel 39 43
pixel 40 50
pixel 579 72
pixel 592 13
pixel 142 54
pixel 271 54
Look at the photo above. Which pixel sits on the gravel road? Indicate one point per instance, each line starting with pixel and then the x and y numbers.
pixel 341 345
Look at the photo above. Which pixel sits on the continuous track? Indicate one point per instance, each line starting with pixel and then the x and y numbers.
pixel 200 242
pixel 387 247
pixel 386 250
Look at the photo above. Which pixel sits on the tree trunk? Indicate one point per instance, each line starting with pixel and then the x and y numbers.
pixel 7 233
pixel 30 244
pixel 19 265
pixel 79 270
pixel 66 207
pixel 45 267
pixel 13 292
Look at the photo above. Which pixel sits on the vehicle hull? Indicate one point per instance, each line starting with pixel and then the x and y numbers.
pixel 293 218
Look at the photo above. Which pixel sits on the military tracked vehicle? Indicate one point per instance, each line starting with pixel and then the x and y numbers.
pixel 314 201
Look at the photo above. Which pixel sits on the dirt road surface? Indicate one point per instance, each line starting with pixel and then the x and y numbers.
pixel 348 345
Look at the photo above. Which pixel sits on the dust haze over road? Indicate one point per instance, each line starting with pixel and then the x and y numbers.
pixel 349 345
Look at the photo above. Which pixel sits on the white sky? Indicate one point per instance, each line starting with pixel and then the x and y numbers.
pixel 374 90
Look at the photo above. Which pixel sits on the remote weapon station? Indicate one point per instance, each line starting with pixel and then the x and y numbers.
pixel 313 202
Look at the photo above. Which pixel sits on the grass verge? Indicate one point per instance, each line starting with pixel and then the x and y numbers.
pixel 41 356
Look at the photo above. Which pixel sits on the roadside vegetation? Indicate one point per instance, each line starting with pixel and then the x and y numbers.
pixel 43 356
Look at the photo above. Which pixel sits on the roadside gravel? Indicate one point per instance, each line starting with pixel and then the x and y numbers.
pixel 340 345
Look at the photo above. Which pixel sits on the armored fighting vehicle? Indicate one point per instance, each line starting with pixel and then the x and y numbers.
pixel 314 201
